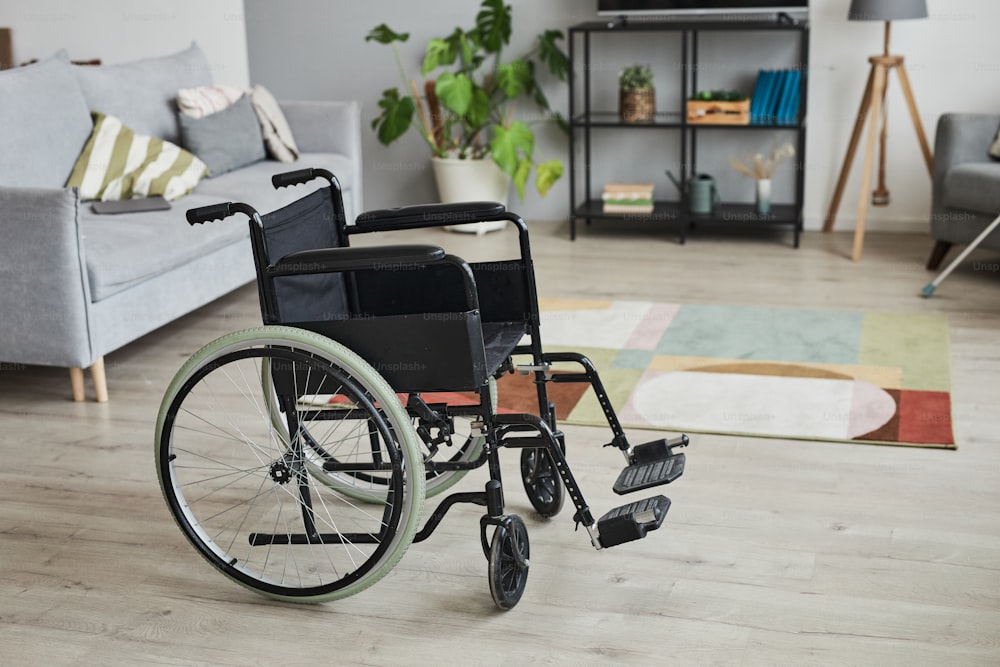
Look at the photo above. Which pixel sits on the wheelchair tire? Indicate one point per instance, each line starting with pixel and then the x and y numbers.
pixel 542 483
pixel 508 562
pixel 240 488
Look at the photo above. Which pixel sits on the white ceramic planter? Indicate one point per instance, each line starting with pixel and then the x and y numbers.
pixel 471 180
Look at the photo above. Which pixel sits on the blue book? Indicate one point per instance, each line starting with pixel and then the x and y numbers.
pixel 790 112
pixel 774 102
pixel 758 93
pixel 763 96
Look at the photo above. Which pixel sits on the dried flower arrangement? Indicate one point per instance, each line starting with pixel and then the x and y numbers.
pixel 759 167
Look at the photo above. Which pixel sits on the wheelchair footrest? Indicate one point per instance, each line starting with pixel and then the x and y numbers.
pixel 655 464
pixel 632 522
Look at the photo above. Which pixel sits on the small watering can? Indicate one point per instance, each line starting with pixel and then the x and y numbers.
pixel 701 194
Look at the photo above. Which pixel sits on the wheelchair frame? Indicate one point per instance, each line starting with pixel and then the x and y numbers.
pixel 545 469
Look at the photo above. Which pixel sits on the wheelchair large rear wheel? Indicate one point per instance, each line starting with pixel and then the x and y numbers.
pixel 467 445
pixel 241 488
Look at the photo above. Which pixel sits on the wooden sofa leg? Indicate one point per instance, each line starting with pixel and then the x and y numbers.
pixel 76 381
pixel 100 382
pixel 941 249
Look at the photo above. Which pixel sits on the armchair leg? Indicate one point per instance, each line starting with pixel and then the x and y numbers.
pixel 76 381
pixel 100 381
pixel 941 249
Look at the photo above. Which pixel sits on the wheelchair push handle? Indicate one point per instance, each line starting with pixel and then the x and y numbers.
pixel 214 212
pixel 299 176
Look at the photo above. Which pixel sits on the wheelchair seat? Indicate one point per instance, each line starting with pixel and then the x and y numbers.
pixel 435 325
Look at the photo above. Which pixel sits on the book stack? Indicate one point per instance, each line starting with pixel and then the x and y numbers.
pixel 776 96
pixel 628 198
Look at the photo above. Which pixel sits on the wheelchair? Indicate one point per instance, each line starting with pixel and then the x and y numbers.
pixel 297 456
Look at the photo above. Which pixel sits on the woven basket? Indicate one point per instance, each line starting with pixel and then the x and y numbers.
pixel 637 106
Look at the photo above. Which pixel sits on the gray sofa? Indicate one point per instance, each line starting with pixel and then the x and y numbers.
pixel 78 285
pixel 966 186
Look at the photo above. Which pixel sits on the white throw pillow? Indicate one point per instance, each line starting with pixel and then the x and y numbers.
pixel 273 126
pixel 206 100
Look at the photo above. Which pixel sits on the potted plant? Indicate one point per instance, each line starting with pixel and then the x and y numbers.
pixel 464 109
pixel 636 94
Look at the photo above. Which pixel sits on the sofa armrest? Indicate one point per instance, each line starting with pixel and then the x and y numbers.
pixel 45 293
pixel 960 137
pixel 329 127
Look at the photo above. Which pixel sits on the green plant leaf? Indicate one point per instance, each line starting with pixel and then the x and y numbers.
pixel 439 52
pixel 514 78
pixel 479 109
pixel 550 54
pixel 383 34
pixel 466 46
pixel 521 176
pixel 508 142
pixel 548 173
pixel 454 91
pixel 493 23
pixel 397 114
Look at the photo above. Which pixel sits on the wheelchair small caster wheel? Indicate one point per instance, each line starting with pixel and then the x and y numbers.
pixel 541 482
pixel 508 568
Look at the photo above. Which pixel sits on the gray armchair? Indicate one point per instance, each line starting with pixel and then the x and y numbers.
pixel 966 185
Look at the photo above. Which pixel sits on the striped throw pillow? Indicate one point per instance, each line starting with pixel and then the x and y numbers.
pixel 116 163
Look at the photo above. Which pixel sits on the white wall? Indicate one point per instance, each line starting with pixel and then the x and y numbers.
pixel 122 30
pixel 317 52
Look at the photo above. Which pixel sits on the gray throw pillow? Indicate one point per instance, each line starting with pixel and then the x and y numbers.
pixel 225 140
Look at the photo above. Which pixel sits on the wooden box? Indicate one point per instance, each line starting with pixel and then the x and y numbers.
pixel 710 112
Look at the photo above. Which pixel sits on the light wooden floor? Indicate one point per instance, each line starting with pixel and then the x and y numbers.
pixel 774 553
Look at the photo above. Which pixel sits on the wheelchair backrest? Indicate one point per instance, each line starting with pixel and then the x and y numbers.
pixel 309 223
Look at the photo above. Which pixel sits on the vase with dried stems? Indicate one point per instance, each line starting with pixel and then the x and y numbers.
pixel 761 169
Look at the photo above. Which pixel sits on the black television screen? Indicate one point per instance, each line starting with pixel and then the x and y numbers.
pixel 625 7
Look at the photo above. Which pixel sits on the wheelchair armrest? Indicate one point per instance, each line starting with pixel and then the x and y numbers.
pixel 335 260
pixel 429 215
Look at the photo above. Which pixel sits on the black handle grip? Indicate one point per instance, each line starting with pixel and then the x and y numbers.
pixel 293 178
pixel 209 213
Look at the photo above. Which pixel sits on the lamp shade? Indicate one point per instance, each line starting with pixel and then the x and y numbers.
pixel 886 10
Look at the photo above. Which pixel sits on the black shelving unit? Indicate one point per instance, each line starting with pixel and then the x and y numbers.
pixel 584 122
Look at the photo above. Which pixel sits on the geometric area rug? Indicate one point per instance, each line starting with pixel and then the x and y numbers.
pixel 799 373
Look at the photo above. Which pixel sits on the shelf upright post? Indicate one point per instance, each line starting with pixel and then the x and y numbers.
pixel 800 176
pixel 587 128
pixel 572 140
pixel 685 73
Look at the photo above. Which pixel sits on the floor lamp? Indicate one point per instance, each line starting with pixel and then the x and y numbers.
pixel 873 110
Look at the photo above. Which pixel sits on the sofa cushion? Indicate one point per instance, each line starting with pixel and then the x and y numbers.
pixel 253 183
pixel 225 140
pixel 127 249
pixel 143 93
pixel 45 123
pixel 973 186
pixel 117 163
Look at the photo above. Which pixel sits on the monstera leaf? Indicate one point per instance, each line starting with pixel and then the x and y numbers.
pixel 397 114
